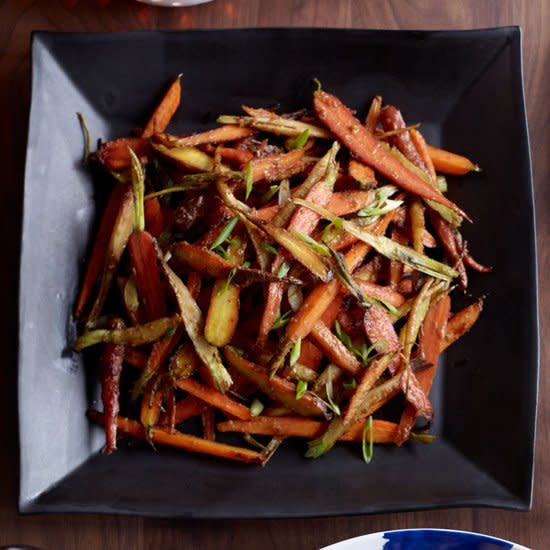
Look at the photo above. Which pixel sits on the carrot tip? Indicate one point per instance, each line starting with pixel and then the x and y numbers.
pixel 477 168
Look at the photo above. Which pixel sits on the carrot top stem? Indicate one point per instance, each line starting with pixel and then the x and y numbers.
pixel 138 190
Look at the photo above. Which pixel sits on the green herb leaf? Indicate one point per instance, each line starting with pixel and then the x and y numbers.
pixel 248 180
pixel 301 388
pixel 295 353
pixel 349 384
pixel 227 282
pixel 320 248
pixel 225 232
pixel 442 183
pixel 283 270
pixel 269 248
pixel 300 140
pixel 332 230
pixel 368 447
pixel 282 320
pixel 222 252
pixel 269 194
pixel 335 408
pixel 170 332
pixel 256 407
pixel 246 264
pixel 344 276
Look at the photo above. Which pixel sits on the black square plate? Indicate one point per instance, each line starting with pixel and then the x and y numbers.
pixel 465 87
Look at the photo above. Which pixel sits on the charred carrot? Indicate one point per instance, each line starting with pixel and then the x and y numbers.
pixel 163 113
pixel 460 323
pixel 214 398
pixel 182 441
pixel 114 155
pixel 451 163
pixel 99 249
pixel 111 367
pixel 362 143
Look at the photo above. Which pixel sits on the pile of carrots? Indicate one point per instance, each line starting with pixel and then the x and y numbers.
pixel 281 275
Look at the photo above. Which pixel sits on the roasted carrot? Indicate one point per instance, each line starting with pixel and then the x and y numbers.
pixel 361 173
pixel 217 135
pixel 422 148
pixel 451 163
pixel 381 292
pixel 461 322
pixel 111 367
pixel 379 330
pixel 277 388
pixel 182 441
pixel 310 355
pixel 208 424
pixel 135 358
pixel 373 116
pixel 114 155
pixel 188 407
pixel 296 426
pixel 240 156
pixel 277 166
pixel 101 243
pixel 165 111
pixel 154 219
pixel 362 144
pixel 214 398
pixel 194 284
pixel 151 405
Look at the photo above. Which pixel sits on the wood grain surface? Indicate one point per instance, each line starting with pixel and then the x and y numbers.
pixel 17 19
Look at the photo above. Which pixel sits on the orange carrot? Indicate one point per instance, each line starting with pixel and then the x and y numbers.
pixel 278 166
pixel 208 424
pixel 99 249
pixel 296 426
pixel 451 163
pixel 371 122
pixel 163 113
pixel 151 405
pixel 215 398
pixel 361 173
pixel 201 260
pixel 194 284
pixel 460 323
pixel 240 156
pixel 114 154
pixel 217 135
pixel 310 355
pixel 422 148
pixel 379 330
pixel 366 148
pixel 154 219
pixel 385 293
pixel 135 358
pixel 183 441
pixel 188 407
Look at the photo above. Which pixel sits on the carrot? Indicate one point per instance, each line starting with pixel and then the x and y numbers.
pixel 111 367
pixel 114 154
pixel 310 355
pixel 430 338
pixel 371 122
pixel 135 358
pixel 163 113
pixel 460 323
pixel 278 166
pixel 476 266
pixel 391 120
pixel 217 135
pixel 208 424
pixel 331 313
pixel 201 260
pixel 215 398
pixel 417 229
pixel 194 284
pixel 296 426
pixel 188 407
pixel 366 148
pixel 385 293
pixel 451 163
pixel 182 441
pixel 101 243
pixel 240 156
pixel 277 388
pixel 154 219
pixel 446 236
pixel 361 173
pixel 422 148
pixel 379 330
pixel 271 309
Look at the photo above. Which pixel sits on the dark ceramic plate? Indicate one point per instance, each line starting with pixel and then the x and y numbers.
pixel 466 88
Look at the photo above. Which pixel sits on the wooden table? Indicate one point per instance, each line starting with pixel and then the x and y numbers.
pixel 17 19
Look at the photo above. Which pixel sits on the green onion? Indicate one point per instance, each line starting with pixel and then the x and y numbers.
pixel 295 353
pixel 246 264
pixel 301 388
pixel 332 230
pixel 320 248
pixel 422 438
pixel 283 270
pixel 349 384
pixel 368 448
pixel 299 141
pixel 227 282
pixel 344 276
pixel 442 183
pixel 222 252
pixel 253 442
pixel 248 180
pixel 269 248
pixel 281 320
pixel 335 408
pixel 138 185
pixel 225 232
pixel 256 407
pixel 86 135
pixel 170 332
pixel 269 194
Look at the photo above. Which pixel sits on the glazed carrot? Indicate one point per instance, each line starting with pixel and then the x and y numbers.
pixel 385 293
pixel 422 148
pixel 331 313
pixel 379 330
pixel 334 349
pixel 366 148
pixel 217 135
pixel 391 120
pixel 277 388
pixel 417 228
pixel 111 367
pixel 114 155
pixel 451 163
pixel 182 441
pixel 240 156
pixel 473 264
pixel 447 238
pixel 188 407
pixel 278 166
pixel 151 406
pixel 99 249
pixel 361 173
pixel 460 323
pixel 194 284
pixel 135 358
pixel 296 426
pixel 371 122
pixel 430 338
pixel 215 398
pixel 310 355
pixel 208 424
pixel 154 218
pixel 163 113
